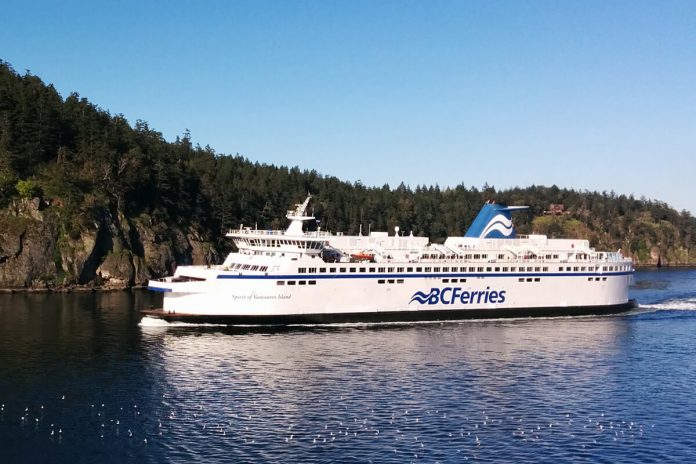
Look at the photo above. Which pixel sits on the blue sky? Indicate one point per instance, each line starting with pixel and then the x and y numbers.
pixel 597 95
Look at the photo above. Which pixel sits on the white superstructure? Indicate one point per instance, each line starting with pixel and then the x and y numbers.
pixel 293 276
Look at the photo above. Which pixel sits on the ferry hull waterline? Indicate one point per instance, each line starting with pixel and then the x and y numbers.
pixel 297 277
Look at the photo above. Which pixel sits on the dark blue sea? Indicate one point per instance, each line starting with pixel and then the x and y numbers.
pixel 83 380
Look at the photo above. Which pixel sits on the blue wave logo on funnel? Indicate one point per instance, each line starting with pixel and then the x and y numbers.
pixel 494 221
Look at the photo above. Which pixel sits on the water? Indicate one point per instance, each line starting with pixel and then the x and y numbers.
pixel 83 380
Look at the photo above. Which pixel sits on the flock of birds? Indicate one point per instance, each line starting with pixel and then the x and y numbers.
pixel 405 434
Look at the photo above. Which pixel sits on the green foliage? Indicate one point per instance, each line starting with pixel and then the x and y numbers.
pixel 89 164
pixel 27 189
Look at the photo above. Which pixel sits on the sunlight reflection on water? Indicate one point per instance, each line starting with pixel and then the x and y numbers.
pixel 85 378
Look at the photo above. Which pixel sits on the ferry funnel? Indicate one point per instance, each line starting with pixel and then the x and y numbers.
pixel 494 221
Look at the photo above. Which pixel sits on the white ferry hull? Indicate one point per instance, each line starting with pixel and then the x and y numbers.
pixel 260 300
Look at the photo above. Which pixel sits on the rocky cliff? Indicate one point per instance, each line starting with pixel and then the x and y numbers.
pixel 112 252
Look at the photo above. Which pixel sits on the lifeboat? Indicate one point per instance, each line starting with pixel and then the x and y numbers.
pixel 364 255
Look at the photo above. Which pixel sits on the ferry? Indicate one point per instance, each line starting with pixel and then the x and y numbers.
pixel 294 276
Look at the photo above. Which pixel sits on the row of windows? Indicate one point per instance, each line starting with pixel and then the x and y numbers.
pixel 322 270
pixel 503 256
pixel 401 281
pixel 247 267
pixel 480 256
pixel 592 268
pixel 276 243
pixel 298 282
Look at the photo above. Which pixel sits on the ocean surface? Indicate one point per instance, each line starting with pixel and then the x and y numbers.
pixel 83 379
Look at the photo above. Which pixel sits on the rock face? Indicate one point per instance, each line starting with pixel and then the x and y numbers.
pixel 111 252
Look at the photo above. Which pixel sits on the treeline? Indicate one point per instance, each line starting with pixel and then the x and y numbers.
pixel 83 162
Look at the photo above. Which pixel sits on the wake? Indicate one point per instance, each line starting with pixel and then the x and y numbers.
pixel 675 304
pixel 155 322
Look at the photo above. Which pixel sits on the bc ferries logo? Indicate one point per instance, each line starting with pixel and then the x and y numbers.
pixel 455 295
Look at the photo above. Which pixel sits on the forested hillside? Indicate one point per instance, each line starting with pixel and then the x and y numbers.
pixel 88 199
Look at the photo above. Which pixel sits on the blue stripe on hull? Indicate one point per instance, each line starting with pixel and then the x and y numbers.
pixel 159 289
pixel 421 276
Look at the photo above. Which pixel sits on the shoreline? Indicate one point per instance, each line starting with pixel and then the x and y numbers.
pixel 664 266
pixel 71 289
